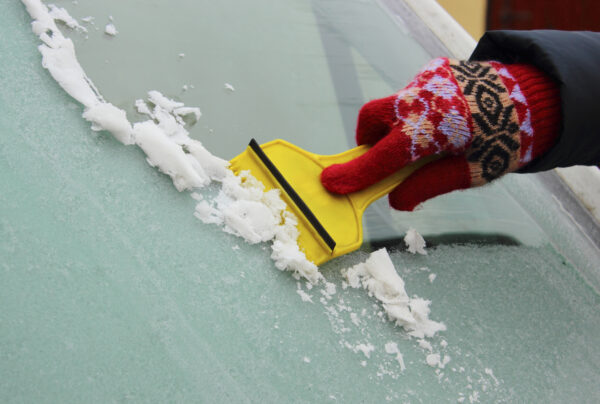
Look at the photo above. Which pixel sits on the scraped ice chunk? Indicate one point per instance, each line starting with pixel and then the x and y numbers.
pixel 169 115
pixel 60 14
pixel 415 242
pixel 207 213
pixel 425 345
pixel 330 289
pixel 392 349
pixel 160 100
pixel 425 326
pixel 59 58
pixel 287 254
pixel 142 108
pixel 435 360
pixel 184 111
pixel 252 220
pixel 215 167
pixel 304 296
pixel 110 29
pixel 366 349
pixel 256 215
pixel 169 157
pixel 105 116
pixel 378 275
pixel 490 373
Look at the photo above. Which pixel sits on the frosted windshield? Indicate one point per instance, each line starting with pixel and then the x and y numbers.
pixel 113 291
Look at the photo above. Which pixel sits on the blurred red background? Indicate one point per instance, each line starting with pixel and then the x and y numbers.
pixel 543 14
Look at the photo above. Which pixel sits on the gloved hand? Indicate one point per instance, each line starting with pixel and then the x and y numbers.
pixel 487 118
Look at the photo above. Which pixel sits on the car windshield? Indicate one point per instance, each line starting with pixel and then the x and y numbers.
pixel 112 290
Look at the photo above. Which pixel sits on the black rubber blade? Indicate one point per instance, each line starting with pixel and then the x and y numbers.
pixel 312 219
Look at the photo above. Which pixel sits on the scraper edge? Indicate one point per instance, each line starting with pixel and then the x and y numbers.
pixel 289 190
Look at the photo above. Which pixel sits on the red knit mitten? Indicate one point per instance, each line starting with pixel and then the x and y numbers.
pixel 488 118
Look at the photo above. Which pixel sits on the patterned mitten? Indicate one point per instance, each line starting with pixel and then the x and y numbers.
pixel 487 118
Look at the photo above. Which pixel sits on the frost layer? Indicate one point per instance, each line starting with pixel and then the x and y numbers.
pixel 378 275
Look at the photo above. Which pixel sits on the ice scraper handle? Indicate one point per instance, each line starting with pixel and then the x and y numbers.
pixel 483 119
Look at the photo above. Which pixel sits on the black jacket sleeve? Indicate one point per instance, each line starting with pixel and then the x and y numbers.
pixel 572 59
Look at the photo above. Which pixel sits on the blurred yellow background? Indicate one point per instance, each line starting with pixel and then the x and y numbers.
pixel 471 14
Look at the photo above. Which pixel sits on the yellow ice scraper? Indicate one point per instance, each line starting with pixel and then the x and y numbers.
pixel 330 225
